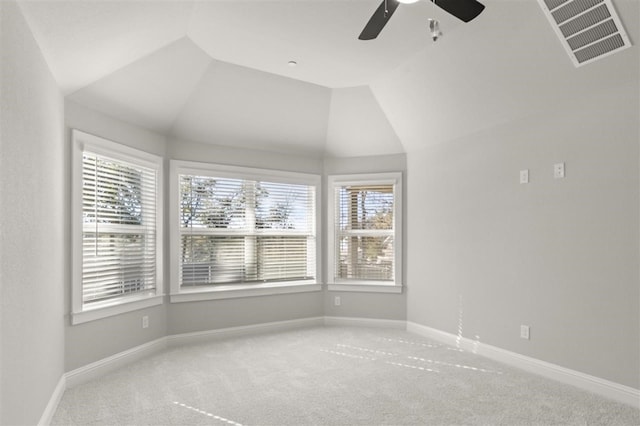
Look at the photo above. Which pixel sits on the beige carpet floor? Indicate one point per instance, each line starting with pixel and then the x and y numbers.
pixel 330 376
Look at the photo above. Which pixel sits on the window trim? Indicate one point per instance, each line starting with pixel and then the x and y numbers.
pixel 178 295
pixel 334 181
pixel 82 141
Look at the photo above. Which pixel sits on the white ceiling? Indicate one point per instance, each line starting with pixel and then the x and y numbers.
pixel 216 71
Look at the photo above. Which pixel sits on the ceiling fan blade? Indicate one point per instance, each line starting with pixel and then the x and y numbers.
pixel 464 10
pixel 379 19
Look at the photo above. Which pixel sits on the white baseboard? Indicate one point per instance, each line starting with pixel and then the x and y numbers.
pixel 203 336
pixel 99 368
pixel 583 381
pixel 365 322
pixel 105 365
pixel 51 407
pixel 602 387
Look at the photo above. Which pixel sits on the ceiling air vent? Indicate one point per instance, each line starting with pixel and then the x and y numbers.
pixel 588 29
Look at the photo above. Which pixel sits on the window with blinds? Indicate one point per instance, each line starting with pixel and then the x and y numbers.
pixel 116 204
pixel 119 228
pixel 364 223
pixel 235 230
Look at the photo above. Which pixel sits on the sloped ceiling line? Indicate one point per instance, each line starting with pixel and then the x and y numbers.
pixel 220 73
pixel 151 91
pixel 192 92
pixel 243 107
pixel 358 125
pixel 85 41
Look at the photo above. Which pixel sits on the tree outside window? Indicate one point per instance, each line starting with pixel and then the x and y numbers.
pixel 240 231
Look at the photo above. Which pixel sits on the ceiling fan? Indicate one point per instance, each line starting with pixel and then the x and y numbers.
pixel 464 10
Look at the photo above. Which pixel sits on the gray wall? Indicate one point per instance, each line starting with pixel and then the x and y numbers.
pixel 216 314
pixel 487 254
pixel 32 225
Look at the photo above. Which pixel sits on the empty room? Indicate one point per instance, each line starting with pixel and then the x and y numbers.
pixel 320 212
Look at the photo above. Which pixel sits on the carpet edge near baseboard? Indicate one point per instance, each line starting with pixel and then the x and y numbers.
pixel 602 387
pixel 605 388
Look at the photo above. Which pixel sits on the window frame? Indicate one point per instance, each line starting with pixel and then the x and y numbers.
pixel 82 142
pixel 226 291
pixel 363 285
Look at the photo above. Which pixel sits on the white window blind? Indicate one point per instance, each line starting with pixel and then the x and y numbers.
pixel 119 229
pixel 236 230
pixel 364 232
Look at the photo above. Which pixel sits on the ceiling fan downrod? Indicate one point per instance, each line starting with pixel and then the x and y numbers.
pixel 465 10
pixel 434 28
pixel 434 25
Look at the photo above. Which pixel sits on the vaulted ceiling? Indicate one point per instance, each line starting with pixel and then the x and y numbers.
pixel 217 71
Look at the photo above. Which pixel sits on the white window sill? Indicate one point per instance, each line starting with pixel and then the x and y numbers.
pixel 365 287
pixel 243 290
pixel 119 306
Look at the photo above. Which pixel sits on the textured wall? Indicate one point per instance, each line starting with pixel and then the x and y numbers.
pixel 32 220
pixel 487 254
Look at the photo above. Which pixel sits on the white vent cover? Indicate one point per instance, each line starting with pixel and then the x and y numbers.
pixel 588 29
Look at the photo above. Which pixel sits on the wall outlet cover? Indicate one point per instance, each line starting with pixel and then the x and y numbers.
pixel 524 332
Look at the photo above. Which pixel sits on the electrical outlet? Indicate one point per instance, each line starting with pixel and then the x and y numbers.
pixel 337 301
pixel 558 171
pixel 145 322
pixel 524 332
pixel 524 176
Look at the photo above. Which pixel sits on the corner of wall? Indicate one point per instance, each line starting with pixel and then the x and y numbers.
pixel 32 266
